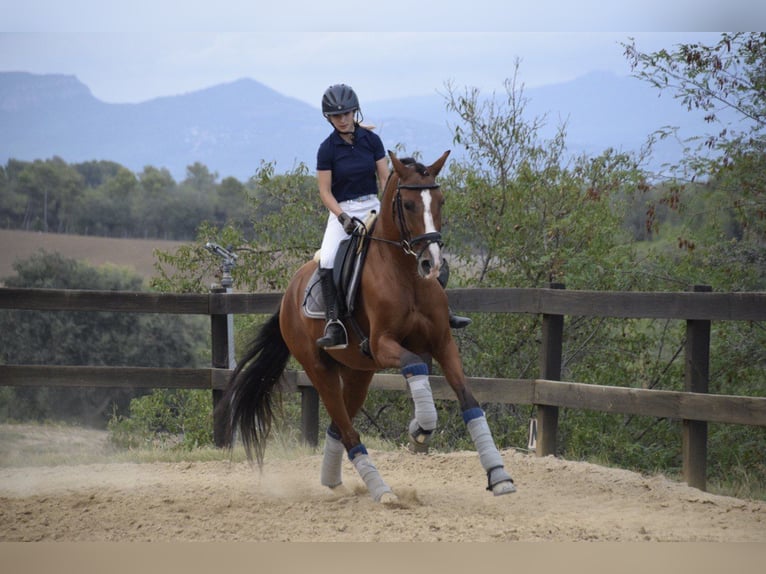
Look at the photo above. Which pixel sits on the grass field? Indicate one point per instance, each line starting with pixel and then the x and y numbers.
pixel 134 254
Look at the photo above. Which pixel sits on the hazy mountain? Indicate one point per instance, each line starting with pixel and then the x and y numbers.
pixel 600 109
pixel 232 127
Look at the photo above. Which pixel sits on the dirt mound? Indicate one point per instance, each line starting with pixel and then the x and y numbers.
pixel 442 498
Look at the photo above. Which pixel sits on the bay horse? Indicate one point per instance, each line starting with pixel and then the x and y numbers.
pixel 403 309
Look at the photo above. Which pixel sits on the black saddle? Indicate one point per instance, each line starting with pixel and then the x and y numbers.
pixel 347 272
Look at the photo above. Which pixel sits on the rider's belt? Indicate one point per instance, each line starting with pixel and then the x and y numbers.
pixel 362 198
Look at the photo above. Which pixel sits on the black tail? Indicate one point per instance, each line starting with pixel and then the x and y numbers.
pixel 252 384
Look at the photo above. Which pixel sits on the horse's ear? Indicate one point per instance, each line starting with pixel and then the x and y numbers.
pixel 437 166
pixel 398 166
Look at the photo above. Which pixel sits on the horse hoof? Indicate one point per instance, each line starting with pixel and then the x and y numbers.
pixel 417 447
pixel 388 497
pixel 505 487
pixel 340 490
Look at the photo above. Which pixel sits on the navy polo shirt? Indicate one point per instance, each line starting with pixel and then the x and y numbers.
pixel 352 165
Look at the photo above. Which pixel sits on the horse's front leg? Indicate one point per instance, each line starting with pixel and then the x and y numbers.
pixel 499 481
pixel 415 371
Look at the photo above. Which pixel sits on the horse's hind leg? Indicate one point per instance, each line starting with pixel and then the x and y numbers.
pixel 334 398
pixel 356 384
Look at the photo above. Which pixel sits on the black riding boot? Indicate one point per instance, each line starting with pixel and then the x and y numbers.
pixel 334 332
pixel 455 321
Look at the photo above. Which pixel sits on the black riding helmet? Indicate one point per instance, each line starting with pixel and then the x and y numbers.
pixel 339 99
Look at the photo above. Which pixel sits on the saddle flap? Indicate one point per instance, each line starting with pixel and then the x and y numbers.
pixel 347 274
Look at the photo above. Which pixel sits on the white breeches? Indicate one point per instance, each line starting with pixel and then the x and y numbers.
pixel 334 234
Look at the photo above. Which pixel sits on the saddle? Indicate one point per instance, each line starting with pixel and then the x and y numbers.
pixel 347 273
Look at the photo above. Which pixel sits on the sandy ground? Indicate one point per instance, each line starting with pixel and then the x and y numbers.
pixel 442 498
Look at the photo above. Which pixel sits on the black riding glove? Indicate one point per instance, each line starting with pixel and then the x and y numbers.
pixel 349 225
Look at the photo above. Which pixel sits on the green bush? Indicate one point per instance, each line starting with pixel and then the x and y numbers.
pixel 178 418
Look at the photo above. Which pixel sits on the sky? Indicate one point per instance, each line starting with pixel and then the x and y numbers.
pixel 129 51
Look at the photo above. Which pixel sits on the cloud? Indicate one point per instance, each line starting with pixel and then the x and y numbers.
pixel 170 16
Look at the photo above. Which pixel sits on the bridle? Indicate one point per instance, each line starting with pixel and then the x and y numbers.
pixel 407 242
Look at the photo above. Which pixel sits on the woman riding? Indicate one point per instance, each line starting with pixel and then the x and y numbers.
pixel 351 169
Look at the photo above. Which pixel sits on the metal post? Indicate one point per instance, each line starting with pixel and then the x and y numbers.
pixel 220 346
pixel 222 332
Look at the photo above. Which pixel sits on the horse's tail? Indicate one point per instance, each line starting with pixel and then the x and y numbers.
pixel 251 387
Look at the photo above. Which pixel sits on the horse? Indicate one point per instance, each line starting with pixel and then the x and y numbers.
pixel 403 310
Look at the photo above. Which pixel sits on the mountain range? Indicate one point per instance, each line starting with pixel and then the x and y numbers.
pixel 231 128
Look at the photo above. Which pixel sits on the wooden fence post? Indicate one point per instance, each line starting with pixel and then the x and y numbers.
pixel 550 368
pixel 310 415
pixel 696 379
pixel 219 334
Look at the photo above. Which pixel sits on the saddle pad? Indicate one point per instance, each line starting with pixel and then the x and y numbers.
pixel 313 302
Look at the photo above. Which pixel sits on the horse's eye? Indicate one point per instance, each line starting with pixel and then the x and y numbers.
pixel 409 205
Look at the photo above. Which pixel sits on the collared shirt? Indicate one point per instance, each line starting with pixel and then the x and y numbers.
pixel 353 167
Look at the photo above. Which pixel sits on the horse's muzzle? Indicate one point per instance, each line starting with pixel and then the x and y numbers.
pixel 429 257
pixel 430 261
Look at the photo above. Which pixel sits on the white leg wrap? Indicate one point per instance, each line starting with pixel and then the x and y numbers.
pixel 499 481
pixel 370 476
pixel 425 410
pixel 332 462
pixel 485 444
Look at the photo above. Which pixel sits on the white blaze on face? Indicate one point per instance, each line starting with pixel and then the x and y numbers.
pixel 430 227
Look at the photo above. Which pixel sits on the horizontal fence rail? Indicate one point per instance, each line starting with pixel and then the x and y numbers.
pixel 619 400
pixel 627 305
pixel 694 406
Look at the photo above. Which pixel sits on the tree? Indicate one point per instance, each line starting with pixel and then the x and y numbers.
pixel 84 338
pixel 50 188
pixel 231 203
pixel 719 195
pixel 97 172
pixel 157 186
pixel 13 202
pixel 199 177
pixel 726 82
pixel 286 223
pixel 522 211
pixel 156 182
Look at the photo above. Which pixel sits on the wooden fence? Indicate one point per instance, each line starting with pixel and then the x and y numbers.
pixel 694 406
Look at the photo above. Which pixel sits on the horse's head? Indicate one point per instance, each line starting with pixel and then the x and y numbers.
pixel 416 202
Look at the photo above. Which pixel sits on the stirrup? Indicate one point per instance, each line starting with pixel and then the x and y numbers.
pixel 336 340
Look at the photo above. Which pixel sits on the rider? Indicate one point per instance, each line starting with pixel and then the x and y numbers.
pixel 351 169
